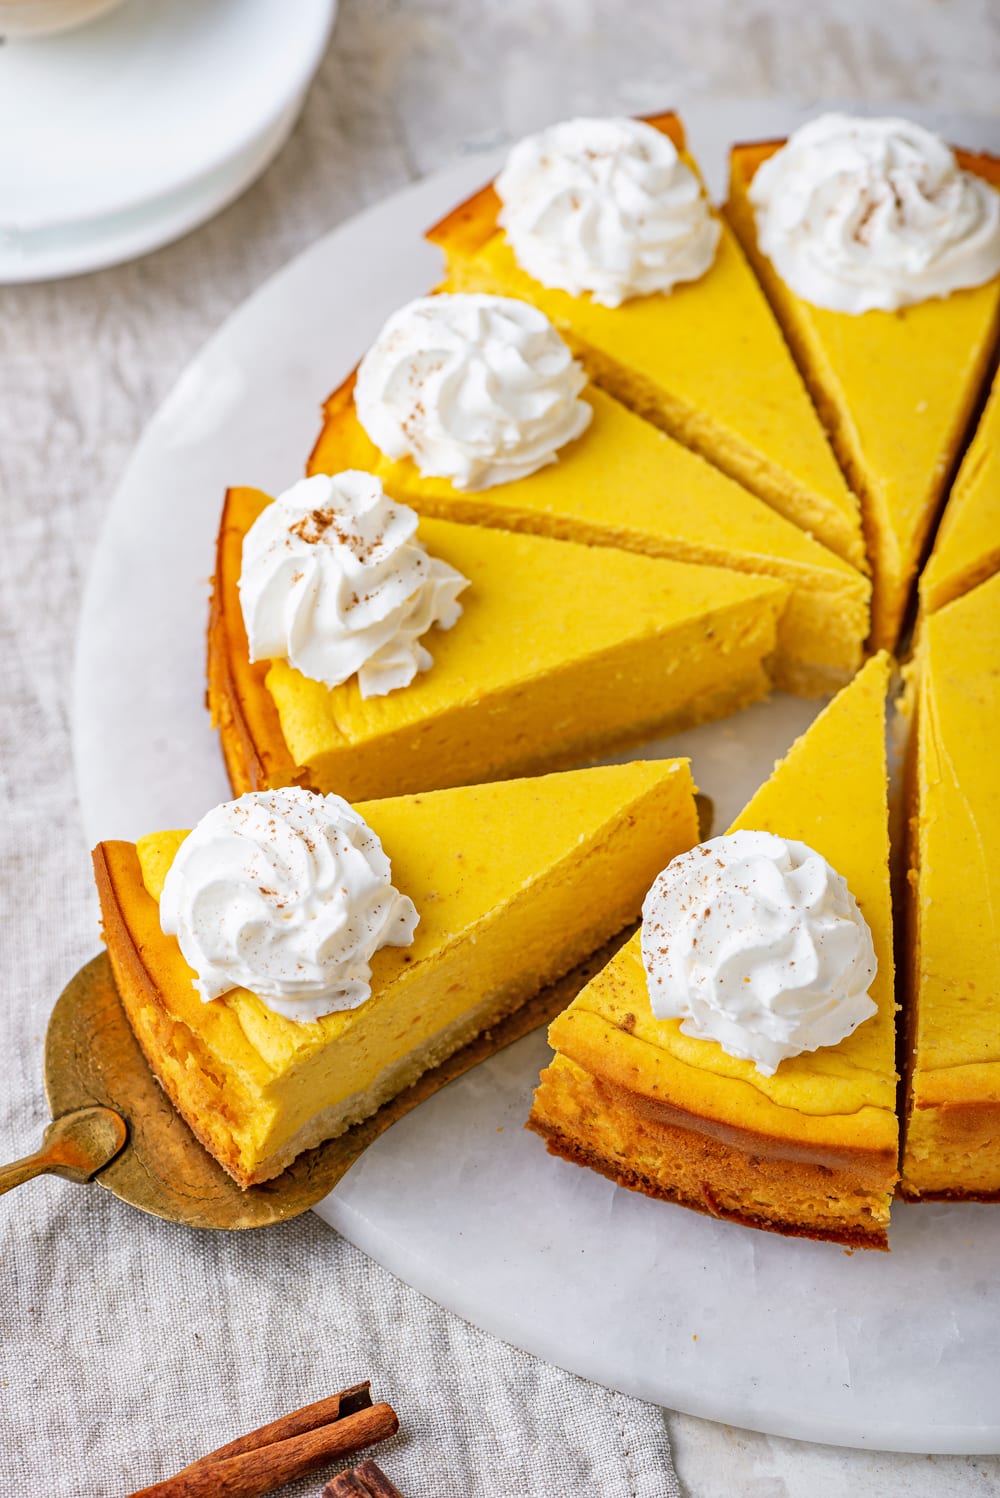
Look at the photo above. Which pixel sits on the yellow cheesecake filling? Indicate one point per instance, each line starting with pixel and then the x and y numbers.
pixel 695 362
pixel 967 549
pixel 896 391
pixel 514 884
pixel 547 630
pixel 831 1097
pixel 953 1110
pixel 625 484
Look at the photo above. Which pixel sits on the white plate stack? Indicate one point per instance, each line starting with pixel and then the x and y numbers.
pixel 126 133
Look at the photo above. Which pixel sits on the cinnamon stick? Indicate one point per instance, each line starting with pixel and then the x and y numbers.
pixel 346 1485
pixel 366 1481
pixel 252 1473
pixel 310 1417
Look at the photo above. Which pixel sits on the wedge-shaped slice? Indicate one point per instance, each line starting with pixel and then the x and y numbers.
pixel 811 1151
pixel 562 651
pixel 625 484
pixel 514 885
pixel 706 362
pixel 952 1129
pixel 896 390
pixel 967 549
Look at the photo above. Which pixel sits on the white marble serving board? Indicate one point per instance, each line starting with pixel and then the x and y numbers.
pixel 896 1352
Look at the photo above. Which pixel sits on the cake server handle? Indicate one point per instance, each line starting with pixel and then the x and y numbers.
pixel 75 1146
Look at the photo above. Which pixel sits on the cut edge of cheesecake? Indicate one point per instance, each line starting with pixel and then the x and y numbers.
pixel 894 557
pixel 826 509
pixel 257 754
pixel 951 1112
pixel 822 632
pixel 966 550
pixel 232 1067
pixel 719 1144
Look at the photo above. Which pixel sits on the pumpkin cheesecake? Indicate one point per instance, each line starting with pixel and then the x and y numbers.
pixel 967 549
pixel 952 1054
pixel 558 650
pixel 362 984
pixel 696 349
pixel 623 483
pixel 880 252
pixel 709 1111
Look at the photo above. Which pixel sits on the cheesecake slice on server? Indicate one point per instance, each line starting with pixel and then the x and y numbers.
pixel 295 962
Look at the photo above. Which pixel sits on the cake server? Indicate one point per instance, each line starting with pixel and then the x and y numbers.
pixel 113 1124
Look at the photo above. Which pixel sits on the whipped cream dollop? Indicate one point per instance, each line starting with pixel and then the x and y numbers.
pixel 755 942
pixel 334 581
pixel 477 389
pixel 286 893
pixel 861 214
pixel 605 206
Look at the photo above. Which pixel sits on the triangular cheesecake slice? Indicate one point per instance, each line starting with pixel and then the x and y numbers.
pixel 967 549
pixel 896 390
pixel 562 651
pixel 706 362
pixel 810 1151
pixel 623 483
pixel 514 884
pixel 952 1129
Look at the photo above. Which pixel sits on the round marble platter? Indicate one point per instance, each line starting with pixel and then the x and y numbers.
pixel 896 1351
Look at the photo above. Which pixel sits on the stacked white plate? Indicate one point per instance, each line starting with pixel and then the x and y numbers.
pixel 129 132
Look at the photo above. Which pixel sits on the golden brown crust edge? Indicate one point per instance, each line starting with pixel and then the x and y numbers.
pixel 564 1148
pixel 147 1012
pixel 241 707
pixel 746 156
pixel 581 1116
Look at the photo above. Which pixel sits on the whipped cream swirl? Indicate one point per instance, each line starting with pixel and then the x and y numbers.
pixel 334 582
pixel 863 214
pixel 286 893
pixel 605 206
pixel 755 942
pixel 477 389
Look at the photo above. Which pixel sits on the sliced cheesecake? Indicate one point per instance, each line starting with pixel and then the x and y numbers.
pixel 810 1151
pixel 562 651
pixel 896 391
pixel 967 549
pixel 706 362
pixel 625 484
pixel 952 1128
pixel 514 884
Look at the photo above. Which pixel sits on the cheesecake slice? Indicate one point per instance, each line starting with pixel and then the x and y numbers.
pixel 952 1053
pixel 810 1151
pixel 967 549
pixel 706 362
pixel 514 884
pixel 562 652
pixel 896 390
pixel 625 484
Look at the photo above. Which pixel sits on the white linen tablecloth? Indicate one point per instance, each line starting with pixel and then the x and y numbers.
pixel 129 1347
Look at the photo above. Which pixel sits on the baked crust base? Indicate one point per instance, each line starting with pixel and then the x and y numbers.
pixel 595 1123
